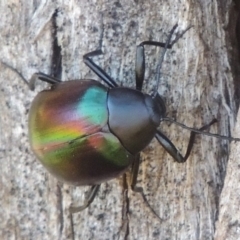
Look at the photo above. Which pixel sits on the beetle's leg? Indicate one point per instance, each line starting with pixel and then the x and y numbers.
pixel 43 77
pixel 140 55
pixel 169 147
pixel 134 174
pixel 172 150
pixel 96 69
pixel 89 199
pixel 133 182
pixel 14 70
pixel 139 66
pixel 35 76
pixel 140 61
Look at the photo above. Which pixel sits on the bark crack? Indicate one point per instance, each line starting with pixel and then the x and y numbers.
pixel 125 208
pixel 56 62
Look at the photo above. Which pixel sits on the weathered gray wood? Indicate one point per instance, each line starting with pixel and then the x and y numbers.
pixel 198 85
pixel 228 224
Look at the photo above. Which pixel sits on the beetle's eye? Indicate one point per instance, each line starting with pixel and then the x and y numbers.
pixel 155 112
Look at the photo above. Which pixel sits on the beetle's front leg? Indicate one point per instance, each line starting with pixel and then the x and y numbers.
pixel 88 200
pixel 140 55
pixel 134 174
pixel 172 150
pixel 140 61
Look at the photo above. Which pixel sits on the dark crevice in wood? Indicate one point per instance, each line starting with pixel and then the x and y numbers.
pixel 72 227
pixel 237 31
pixel 60 208
pixel 56 72
pixel 233 30
pixel 56 66
pixel 125 208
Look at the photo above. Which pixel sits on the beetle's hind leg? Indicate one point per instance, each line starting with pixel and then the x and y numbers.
pixel 88 200
pixel 35 76
pixel 134 175
pixel 43 77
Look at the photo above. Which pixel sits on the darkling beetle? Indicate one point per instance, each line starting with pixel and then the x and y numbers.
pixel 85 133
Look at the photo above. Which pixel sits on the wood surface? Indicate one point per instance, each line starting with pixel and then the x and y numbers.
pixel 198 199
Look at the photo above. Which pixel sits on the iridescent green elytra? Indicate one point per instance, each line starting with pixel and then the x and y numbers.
pixel 69 133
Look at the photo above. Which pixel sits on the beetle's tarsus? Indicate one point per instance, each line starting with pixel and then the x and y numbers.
pixel 180 35
pixel 149 206
pixel 134 175
pixel 140 190
pixel 89 199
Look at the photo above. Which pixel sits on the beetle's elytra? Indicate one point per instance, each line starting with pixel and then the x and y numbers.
pixel 79 131
pixel 86 133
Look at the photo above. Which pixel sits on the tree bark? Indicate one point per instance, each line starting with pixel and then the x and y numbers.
pixel 197 199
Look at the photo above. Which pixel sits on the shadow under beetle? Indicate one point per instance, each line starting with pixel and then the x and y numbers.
pixel 85 133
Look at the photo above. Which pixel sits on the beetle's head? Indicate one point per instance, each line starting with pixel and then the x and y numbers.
pixel 156 108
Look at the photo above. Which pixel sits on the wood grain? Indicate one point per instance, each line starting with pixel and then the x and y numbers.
pixel 200 81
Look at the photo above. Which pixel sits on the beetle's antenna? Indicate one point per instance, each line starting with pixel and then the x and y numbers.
pixel 200 131
pixel 162 57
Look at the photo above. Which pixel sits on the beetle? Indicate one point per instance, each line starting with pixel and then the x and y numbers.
pixel 78 129
pixel 86 133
